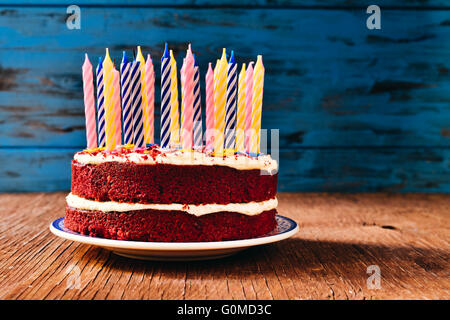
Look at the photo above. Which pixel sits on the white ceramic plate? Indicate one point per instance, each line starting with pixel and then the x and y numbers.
pixel 178 250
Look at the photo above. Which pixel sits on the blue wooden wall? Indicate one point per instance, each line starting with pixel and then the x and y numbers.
pixel 357 109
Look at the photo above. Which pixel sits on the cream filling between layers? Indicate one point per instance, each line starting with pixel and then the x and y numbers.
pixel 250 208
pixel 178 157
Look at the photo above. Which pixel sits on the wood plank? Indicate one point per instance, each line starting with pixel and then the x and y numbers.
pixel 25 170
pixel 368 170
pixel 341 235
pixel 230 3
pixel 337 84
pixel 308 169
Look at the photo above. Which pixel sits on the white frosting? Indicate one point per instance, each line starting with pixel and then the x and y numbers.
pixel 251 208
pixel 179 157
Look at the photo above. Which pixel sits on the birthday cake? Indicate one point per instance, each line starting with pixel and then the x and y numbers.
pixel 125 187
pixel 150 194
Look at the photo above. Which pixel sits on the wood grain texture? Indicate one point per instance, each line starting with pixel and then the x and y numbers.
pixel 373 104
pixel 340 236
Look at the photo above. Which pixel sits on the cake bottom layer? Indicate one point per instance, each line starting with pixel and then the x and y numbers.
pixel 169 226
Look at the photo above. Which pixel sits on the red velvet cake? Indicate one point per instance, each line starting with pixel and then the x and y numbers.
pixel 155 194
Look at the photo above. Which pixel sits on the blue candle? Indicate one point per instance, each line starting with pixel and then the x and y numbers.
pixel 136 94
pixel 198 138
pixel 165 99
pixel 230 117
pixel 100 104
pixel 126 100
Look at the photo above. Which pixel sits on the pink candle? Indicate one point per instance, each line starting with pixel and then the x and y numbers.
pixel 248 105
pixel 187 125
pixel 210 109
pixel 150 83
pixel 117 107
pixel 183 66
pixel 182 77
pixel 89 104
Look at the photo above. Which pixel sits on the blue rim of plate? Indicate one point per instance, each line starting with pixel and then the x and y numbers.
pixel 286 227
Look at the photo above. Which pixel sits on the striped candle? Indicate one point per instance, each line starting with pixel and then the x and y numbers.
pixel 248 105
pixel 219 104
pixel 216 73
pixel 165 99
pixel 136 100
pixel 89 104
pixel 215 76
pixel 109 102
pixel 209 109
pixel 240 123
pixel 100 104
pixel 140 58
pixel 198 137
pixel 188 102
pixel 183 67
pixel 216 82
pixel 258 88
pixel 174 112
pixel 230 118
pixel 117 108
pixel 150 92
pixel 127 113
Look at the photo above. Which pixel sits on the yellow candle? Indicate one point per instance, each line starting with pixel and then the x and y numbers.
pixel 174 113
pixel 240 120
pixel 216 74
pixel 216 67
pixel 145 109
pixel 220 101
pixel 258 86
pixel 109 101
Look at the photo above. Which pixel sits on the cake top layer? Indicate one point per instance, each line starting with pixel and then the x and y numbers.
pixel 157 155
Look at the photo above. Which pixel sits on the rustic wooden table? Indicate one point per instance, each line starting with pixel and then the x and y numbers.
pixel 405 237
